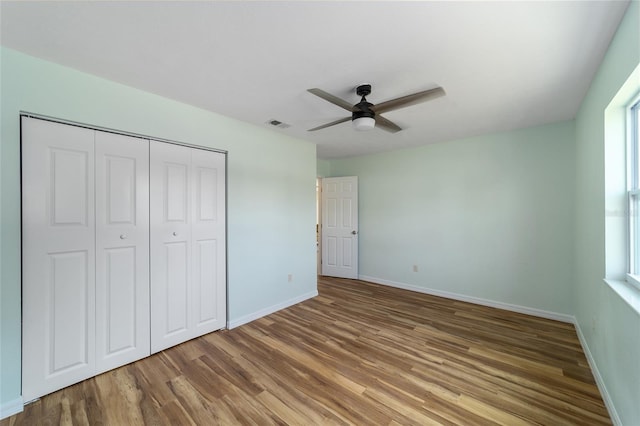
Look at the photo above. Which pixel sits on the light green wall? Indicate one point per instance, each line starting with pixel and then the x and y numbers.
pixel 488 217
pixel 610 327
pixel 271 187
pixel 323 168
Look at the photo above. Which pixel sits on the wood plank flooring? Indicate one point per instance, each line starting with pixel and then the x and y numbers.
pixel 359 353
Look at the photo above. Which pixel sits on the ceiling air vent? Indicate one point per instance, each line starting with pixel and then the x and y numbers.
pixel 278 123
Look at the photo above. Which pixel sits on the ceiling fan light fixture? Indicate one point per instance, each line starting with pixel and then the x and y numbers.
pixel 363 123
pixel 362 117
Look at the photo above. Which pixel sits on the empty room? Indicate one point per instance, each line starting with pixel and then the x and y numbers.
pixel 320 212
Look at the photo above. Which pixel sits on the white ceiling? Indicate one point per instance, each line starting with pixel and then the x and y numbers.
pixel 503 64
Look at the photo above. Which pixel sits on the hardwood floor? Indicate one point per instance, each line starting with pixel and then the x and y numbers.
pixel 359 353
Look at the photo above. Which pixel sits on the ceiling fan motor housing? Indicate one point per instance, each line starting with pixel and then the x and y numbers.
pixel 363 108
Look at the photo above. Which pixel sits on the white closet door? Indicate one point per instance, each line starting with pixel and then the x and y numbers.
pixel 208 241
pixel 122 250
pixel 188 247
pixel 170 202
pixel 58 238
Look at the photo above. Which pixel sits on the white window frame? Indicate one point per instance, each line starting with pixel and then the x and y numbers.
pixel 633 192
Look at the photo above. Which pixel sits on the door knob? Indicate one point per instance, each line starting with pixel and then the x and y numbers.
pixel 354 232
pixel 175 234
pixel 123 236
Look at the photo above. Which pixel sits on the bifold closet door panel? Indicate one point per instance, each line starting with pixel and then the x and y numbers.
pixel 208 232
pixel 170 242
pixel 122 250
pixel 188 246
pixel 58 255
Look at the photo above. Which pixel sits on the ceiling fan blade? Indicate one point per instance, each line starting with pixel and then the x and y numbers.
pixel 387 125
pixel 333 123
pixel 330 98
pixel 408 100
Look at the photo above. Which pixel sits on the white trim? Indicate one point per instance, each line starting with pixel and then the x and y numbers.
pixel 477 300
pixel 271 309
pixel 634 281
pixel 10 408
pixel 626 291
pixel 608 401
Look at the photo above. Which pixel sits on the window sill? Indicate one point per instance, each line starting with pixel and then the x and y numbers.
pixel 629 293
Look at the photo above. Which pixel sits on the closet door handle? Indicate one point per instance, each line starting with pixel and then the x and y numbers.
pixel 175 234
pixel 123 236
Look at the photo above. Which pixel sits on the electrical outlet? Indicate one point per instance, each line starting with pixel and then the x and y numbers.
pixel 415 268
pixel 290 277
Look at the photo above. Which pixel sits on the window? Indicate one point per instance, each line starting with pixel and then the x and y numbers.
pixel 633 190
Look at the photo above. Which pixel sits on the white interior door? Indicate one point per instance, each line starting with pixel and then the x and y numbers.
pixel 58 241
pixel 170 217
pixel 122 250
pixel 208 233
pixel 340 227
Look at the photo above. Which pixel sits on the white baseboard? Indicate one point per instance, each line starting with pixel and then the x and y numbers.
pixel 10 408
pixel 271 309
pixel 477 300
pixel 608 402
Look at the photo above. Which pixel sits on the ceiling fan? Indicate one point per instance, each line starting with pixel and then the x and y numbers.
pixel 366 116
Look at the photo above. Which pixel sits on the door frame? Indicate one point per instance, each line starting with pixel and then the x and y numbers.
pixel 319 226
